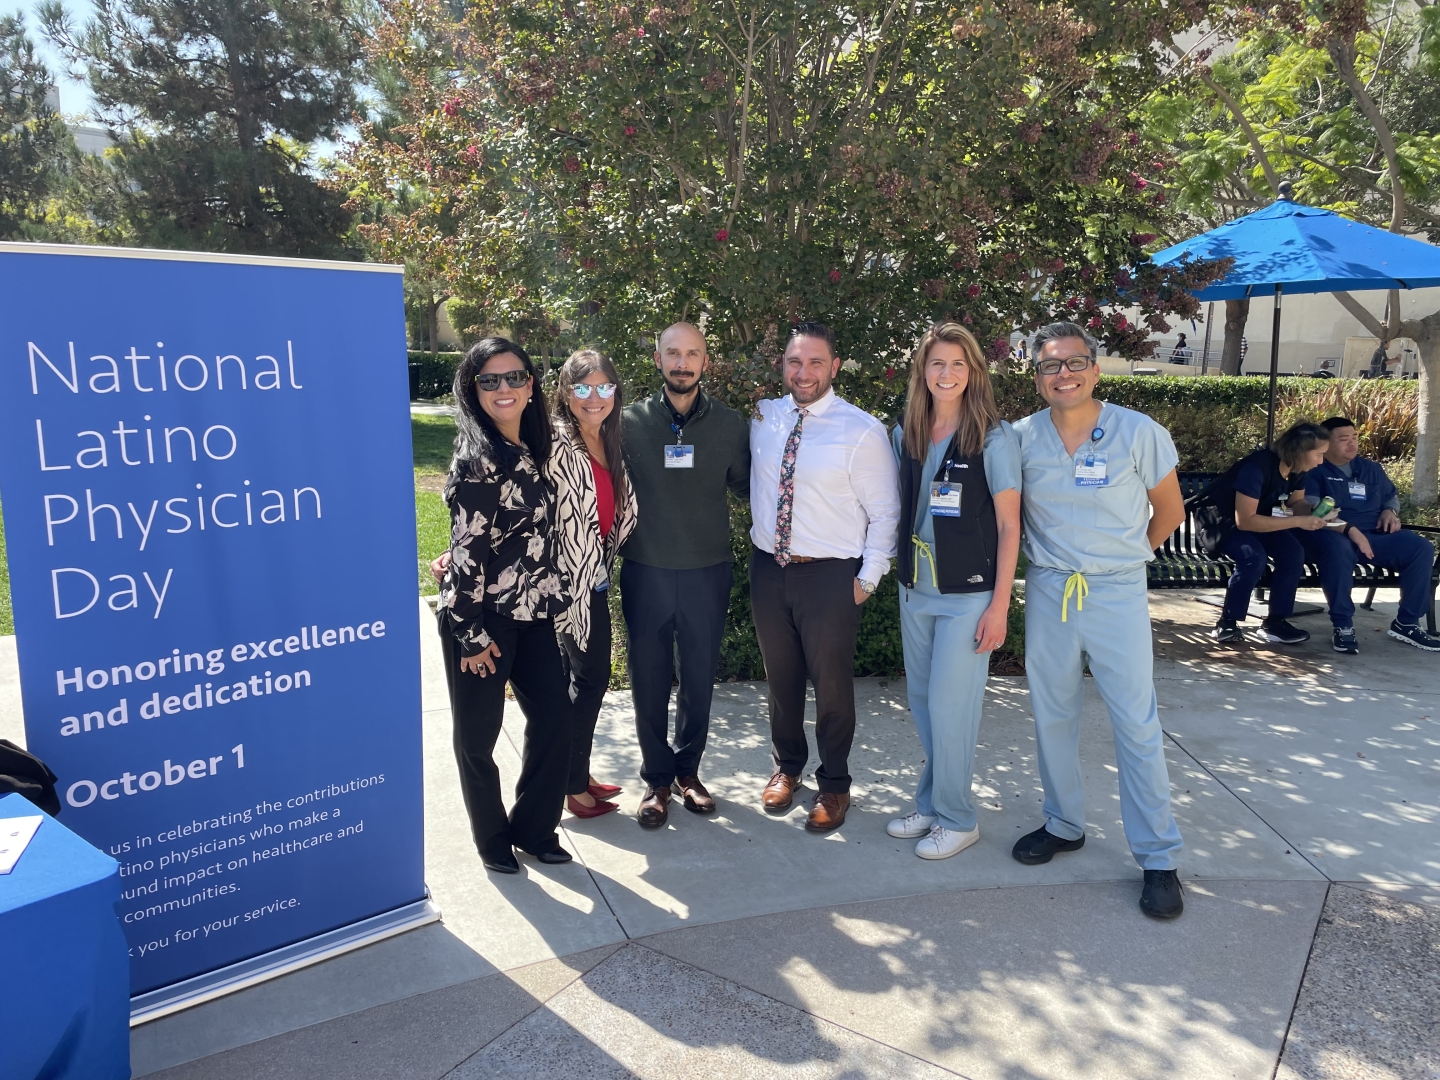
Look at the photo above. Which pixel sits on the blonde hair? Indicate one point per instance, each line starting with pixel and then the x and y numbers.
pixel 978 413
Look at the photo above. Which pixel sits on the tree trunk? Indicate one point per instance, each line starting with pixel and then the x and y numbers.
pixel 1426 333
pixel 1236 312
pixel 434 326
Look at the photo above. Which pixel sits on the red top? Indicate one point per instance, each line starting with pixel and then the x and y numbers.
pixel 604 498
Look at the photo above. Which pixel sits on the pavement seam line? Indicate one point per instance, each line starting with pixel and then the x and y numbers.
pixel 593 881
pixel 806 1012
pixel 1238 798
pixel 538 1006
pixel 1300 987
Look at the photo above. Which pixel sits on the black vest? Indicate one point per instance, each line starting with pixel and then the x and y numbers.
pixel 965 546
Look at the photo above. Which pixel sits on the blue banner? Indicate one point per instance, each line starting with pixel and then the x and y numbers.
pixel 209 515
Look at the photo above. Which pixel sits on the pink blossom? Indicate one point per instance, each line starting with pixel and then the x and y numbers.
pixel 889 373
pixel 723 235
pixel 1094 323
pixel 629 130
pixel 834 277
pixel 572 165
pixel 973 290
pixel 451 107
pixel 1121 323
pixel 472 151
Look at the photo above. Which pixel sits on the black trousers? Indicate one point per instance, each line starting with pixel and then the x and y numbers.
pixel 806 619
pixel 589 678
pixel 530 661
pixel 670 615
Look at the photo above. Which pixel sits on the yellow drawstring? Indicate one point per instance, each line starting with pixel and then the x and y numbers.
pixel 1076 586
pixel 923 548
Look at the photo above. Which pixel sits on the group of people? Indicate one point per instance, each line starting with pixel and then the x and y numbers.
pixel 1314 498
pixel 542 502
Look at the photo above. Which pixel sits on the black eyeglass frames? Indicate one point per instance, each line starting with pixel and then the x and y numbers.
pixel 490 381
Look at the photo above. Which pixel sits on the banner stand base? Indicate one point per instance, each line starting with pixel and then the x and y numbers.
pixel 226 980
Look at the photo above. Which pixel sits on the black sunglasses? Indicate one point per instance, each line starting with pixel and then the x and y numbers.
pixel 490 381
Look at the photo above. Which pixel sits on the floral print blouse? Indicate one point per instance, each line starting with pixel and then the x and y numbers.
pixel 503 554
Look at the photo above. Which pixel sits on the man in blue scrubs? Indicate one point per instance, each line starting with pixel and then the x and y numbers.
pixel 1100 496
pixel 1369 507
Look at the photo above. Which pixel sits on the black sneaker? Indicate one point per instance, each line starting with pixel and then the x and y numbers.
pixel 1161 897
pixel 1345 640
pixel 1282 633
pixel 1042 845
pixel 1413 635
pixel 1226 630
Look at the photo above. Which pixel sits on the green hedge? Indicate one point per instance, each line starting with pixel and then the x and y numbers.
pixel 432 375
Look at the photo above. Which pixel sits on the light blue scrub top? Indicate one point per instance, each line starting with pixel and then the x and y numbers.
pixel 1002 472
pixel 1095 530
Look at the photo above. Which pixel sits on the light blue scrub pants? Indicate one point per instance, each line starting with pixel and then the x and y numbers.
pixel 1112 630
pixel 945 682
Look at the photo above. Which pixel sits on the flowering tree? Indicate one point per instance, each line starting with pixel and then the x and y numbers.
pixel 875 165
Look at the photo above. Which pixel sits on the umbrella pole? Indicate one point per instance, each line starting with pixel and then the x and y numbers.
pixel 1274 368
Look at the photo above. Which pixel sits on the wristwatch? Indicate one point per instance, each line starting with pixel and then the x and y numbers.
pixel 867 587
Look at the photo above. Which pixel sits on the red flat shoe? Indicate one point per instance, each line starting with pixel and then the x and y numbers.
pixel 603 791
pixel 580 810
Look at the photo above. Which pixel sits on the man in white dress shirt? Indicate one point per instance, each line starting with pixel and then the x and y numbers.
pixel 825 502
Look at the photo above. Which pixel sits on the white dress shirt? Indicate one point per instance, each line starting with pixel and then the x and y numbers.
pixel 847 490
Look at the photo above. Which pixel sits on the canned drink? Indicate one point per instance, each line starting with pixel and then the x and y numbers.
pixel 1324 506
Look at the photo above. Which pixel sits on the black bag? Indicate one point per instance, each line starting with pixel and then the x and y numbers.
pixel 25 774
pixel 1213 509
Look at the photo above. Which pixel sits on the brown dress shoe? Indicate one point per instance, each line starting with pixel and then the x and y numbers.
pixel 828 812
pixel 697 799
pixel 655 807
pixel 780 792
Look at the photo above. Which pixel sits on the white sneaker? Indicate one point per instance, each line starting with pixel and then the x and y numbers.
pixel 941 842
pixel 911 825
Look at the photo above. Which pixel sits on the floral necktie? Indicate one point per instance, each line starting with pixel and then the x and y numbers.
pixel 786 503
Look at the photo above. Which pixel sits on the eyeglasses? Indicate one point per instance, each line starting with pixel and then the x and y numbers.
pixel 1054 365
pixel 490 381
pixel 583 390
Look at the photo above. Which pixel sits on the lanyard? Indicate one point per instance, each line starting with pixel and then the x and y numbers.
pixel 679 430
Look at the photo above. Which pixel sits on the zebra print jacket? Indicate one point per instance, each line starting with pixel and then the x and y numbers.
pixel 585 560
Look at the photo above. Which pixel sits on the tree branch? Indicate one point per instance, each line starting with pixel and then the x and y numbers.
pixel 1240 118
pixel 1354 307
pixel 1342 53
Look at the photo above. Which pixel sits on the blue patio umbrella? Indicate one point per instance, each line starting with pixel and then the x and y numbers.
pixel 1290 248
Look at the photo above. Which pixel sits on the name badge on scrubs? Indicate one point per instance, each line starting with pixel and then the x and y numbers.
pixel 679 456
pixel 1091 470
pixel 1357 489
pixel 944 499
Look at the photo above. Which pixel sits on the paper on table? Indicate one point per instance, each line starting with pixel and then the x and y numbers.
pixel 15 836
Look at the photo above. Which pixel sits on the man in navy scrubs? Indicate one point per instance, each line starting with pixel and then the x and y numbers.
pixel 1370 507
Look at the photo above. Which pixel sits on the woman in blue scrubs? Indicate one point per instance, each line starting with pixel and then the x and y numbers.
pixel 959 541
pixel 1100 496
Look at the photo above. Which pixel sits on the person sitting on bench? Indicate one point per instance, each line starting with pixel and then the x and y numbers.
pixel 1269 487
pixel 1369 507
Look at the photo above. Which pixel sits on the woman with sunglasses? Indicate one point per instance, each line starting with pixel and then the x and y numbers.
pixel 596 514
pixel 499 601
pixel 960 539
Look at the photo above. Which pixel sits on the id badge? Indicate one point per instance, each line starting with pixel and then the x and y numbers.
pixel 944 499
pixel 679 456
pixel 1091 470
pixel 1281 511
pixel 1357 489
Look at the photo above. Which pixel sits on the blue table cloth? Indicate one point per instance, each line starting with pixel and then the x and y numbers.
pixel 65 988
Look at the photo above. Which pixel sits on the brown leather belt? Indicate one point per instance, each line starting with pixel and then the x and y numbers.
pixel 799 558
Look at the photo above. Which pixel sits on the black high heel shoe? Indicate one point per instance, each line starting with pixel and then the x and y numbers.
pixel 551 855
pixel 501 862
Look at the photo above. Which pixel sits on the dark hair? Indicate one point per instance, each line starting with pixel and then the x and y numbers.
pixel 580 366
pixel 1057 331
pixel 1337 422
pixel 814 329
pixel 478 441
pixel 1295 442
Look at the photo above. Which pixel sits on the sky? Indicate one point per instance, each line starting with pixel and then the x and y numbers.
pixel 74 96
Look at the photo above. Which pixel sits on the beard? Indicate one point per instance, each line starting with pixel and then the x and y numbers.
pixel 812 396
pixel 683 385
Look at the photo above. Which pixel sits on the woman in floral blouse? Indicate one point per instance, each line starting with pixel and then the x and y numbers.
pixel 498 603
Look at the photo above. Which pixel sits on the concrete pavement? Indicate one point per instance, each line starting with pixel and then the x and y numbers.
pixel 1307 787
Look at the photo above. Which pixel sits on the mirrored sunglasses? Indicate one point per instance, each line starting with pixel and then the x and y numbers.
pixel 605 390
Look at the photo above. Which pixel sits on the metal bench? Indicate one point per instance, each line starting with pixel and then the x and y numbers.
pixel 1181 563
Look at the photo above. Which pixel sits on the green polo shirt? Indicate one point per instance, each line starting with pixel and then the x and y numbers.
pixel 684 516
